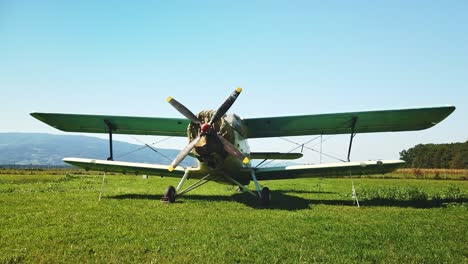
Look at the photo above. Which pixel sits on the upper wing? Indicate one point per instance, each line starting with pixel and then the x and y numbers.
pixel 120 124
pixel 328 170
pixel 124 167
pixel 341 123
pixel 275 155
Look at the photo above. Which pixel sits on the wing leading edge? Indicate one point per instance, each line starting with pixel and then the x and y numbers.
pixel 342 123
pixel 120 124
pixel 124 167
pixel 328 170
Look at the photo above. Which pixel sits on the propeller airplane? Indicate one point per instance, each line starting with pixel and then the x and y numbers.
pixel 219 142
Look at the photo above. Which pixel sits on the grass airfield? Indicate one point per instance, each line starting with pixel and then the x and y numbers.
pixel 58 218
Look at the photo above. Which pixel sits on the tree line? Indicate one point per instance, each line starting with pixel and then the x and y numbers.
pixel 447 156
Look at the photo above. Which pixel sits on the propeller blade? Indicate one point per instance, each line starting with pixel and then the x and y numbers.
pixel 183 110
pixel 183 153
pixel 225 106
pixel 229 148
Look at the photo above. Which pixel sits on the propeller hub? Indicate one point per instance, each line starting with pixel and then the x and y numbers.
pixel 205 128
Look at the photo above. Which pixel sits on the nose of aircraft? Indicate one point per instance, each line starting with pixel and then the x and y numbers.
pixel 205 128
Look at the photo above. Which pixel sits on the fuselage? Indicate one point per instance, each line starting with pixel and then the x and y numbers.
pixel 211 157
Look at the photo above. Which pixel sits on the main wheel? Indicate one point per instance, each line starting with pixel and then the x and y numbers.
pixel 265 197
pixel 169 195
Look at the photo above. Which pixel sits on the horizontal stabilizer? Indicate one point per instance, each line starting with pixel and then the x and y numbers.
pixel 125 167
pixel 275 155
pixel 328 170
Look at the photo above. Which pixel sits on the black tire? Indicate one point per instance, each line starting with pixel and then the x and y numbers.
pixel 169 195
pixel 265 196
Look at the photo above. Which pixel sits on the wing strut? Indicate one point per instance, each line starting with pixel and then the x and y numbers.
pixel 110 128
pixel 195 185
pixel 353 125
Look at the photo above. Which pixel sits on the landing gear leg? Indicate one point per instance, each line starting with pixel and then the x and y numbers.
pixel 264 194
pixel 257 186
pixel 179 186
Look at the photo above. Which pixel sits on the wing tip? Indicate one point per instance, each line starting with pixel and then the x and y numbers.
pixel 41 117
pixel 452 108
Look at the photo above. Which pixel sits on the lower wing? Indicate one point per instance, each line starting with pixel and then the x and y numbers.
pixel 328 170
pixel 124 167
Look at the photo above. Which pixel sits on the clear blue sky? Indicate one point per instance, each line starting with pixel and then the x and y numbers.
pixel 301 57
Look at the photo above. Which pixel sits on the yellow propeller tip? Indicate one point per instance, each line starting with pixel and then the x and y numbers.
pixel 170 168
pixel 168 99
pixel 239 89
pixel 245 160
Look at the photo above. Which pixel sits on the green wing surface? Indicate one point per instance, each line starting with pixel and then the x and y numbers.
pixel 124 167
pixel 119 124
pixel 328 170
pixel 341 123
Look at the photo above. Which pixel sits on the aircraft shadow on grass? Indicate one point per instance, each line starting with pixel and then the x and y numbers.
pixel 439 203
pixel 280 200
pixel 283 201
pixel 305 191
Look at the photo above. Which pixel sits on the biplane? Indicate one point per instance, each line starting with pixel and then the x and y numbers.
pixel 219 143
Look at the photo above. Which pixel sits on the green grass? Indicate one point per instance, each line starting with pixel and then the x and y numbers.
pixel 57 218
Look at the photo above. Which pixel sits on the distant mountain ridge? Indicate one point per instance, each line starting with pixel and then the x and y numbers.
pixel 49 150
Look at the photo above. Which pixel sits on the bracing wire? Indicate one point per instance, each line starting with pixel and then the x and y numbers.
pixel 148 146
pixel 153 149
pixel 309 148
pixel 145 146
pixel 301 145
